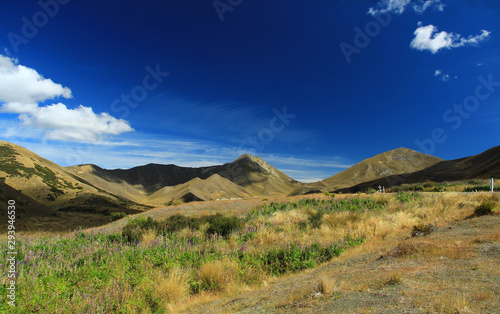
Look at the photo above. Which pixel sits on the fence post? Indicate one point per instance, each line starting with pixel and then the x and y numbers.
pixel 492 184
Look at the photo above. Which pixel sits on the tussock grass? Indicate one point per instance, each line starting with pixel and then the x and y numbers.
pixel 326 285
pixel 156 266
pixel 171 287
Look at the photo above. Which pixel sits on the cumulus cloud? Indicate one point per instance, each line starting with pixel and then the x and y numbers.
pixel 79 124
pixel 400 6
pixel 20 84
pixel 21 90
pixel 428 38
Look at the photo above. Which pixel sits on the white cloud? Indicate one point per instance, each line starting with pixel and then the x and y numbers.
pixel 21 90
pixel 24 85
pixel 427 38
pixel 399 6
pixel 442 76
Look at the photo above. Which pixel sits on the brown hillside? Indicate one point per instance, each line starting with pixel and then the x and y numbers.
pixel 53 185
pixel 212 188
pixel 25 206
pixel 257 176
pixel 394 162
pixel 108 181
pixel 482 166
pixel 155 183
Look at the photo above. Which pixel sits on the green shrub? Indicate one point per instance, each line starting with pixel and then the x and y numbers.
pixel 481 188
pixel 406 197
pixel 178 222
pixel 485 208
pixel 429 184
pixel 118 215
pixel 222 225
pixel 135 228
pixel 315 218
pixel 439 189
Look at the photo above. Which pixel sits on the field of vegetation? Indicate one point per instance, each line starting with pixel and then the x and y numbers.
pixel 477 185
pixel 173 264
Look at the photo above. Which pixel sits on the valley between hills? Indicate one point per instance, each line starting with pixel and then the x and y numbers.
pixel 50 190
pixel 244 237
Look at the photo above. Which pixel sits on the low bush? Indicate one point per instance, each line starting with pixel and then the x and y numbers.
pixel 481 188
pixel 222 225
pixel 422 230
pixel 118 215
pixel 406 197
pixel 135 228
pixel 210 225
pixel 485 208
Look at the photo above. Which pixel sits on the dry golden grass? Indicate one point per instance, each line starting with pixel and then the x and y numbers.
pixel 288 217
pixel 218 275
pixel 414 267
pixel 298 297
pixel 148 237
pixel 172 287
pixel 446 302
pixel 411 262
pixel 326 285
pixel 266 236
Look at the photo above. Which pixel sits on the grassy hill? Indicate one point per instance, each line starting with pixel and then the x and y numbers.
pixel 162 184
pixel 25 206
pixel 482 166
pixel 395 162
pixel 54 186
pixel 213 188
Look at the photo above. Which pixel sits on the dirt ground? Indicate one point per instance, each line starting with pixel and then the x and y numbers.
pixel 455 269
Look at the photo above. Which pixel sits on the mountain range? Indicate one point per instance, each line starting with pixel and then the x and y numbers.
pixel 47 188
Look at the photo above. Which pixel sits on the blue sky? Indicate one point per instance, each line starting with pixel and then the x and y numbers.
pixel 311 86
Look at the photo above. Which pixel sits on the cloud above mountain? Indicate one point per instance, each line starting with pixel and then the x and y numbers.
pixel 22 89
